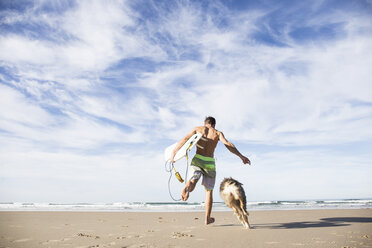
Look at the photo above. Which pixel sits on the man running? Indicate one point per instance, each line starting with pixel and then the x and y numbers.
pixel 203 163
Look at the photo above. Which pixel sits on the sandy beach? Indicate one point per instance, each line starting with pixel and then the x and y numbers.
pixel 285 228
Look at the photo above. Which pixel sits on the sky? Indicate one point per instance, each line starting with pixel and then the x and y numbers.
pixel 92 92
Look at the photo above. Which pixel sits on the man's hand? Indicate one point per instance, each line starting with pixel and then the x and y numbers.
pixel 172 158
pixel 245 160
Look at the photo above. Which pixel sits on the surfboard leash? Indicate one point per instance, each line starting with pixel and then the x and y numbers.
pixel 187 163
pixel 177 174
pixel 169 169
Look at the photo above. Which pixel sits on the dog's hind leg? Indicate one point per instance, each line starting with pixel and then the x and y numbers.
pixel 244 214
pixel 246 223
pixel 239 214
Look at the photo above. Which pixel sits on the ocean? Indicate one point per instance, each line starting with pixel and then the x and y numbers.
pixel 186 206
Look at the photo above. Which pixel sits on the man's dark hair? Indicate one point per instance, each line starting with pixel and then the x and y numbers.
pixel 210 120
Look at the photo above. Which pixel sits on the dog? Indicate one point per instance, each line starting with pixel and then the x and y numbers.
pixel 233 194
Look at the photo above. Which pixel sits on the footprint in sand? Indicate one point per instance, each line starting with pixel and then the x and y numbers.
pixel 130 236
pixel 54 240
pixel 181 235
pixel 140 246
pixel 87 236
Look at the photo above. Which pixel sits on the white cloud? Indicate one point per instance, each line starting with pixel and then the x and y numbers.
pixel 246 87
pixel 98 37
pixel 16 109
pixel 19 49
pixel 25 119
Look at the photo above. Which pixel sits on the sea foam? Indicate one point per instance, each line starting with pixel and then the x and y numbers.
pixel 185 206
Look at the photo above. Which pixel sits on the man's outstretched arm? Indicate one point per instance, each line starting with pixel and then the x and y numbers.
pixel 181 143
pixel 230 146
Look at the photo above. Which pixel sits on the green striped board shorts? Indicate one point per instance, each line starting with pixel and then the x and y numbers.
pixel 206 167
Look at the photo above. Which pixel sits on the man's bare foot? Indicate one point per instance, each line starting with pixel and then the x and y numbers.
pixel 209 221
pixel 184 195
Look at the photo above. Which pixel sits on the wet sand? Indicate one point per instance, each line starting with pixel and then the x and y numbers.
pixel 285 228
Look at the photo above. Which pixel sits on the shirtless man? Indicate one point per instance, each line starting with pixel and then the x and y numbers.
pixel 203 163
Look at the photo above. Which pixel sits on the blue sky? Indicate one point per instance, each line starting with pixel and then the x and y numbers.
pixel 91 93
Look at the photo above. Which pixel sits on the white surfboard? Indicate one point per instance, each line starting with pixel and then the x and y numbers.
pixel 190 143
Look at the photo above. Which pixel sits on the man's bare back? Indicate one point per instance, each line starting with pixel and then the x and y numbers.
pixel 207 144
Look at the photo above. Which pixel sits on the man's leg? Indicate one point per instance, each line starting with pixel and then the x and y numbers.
pixel 190 186
pixel 208 207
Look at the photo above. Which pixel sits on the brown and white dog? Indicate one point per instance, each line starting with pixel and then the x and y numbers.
pixel 233 195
